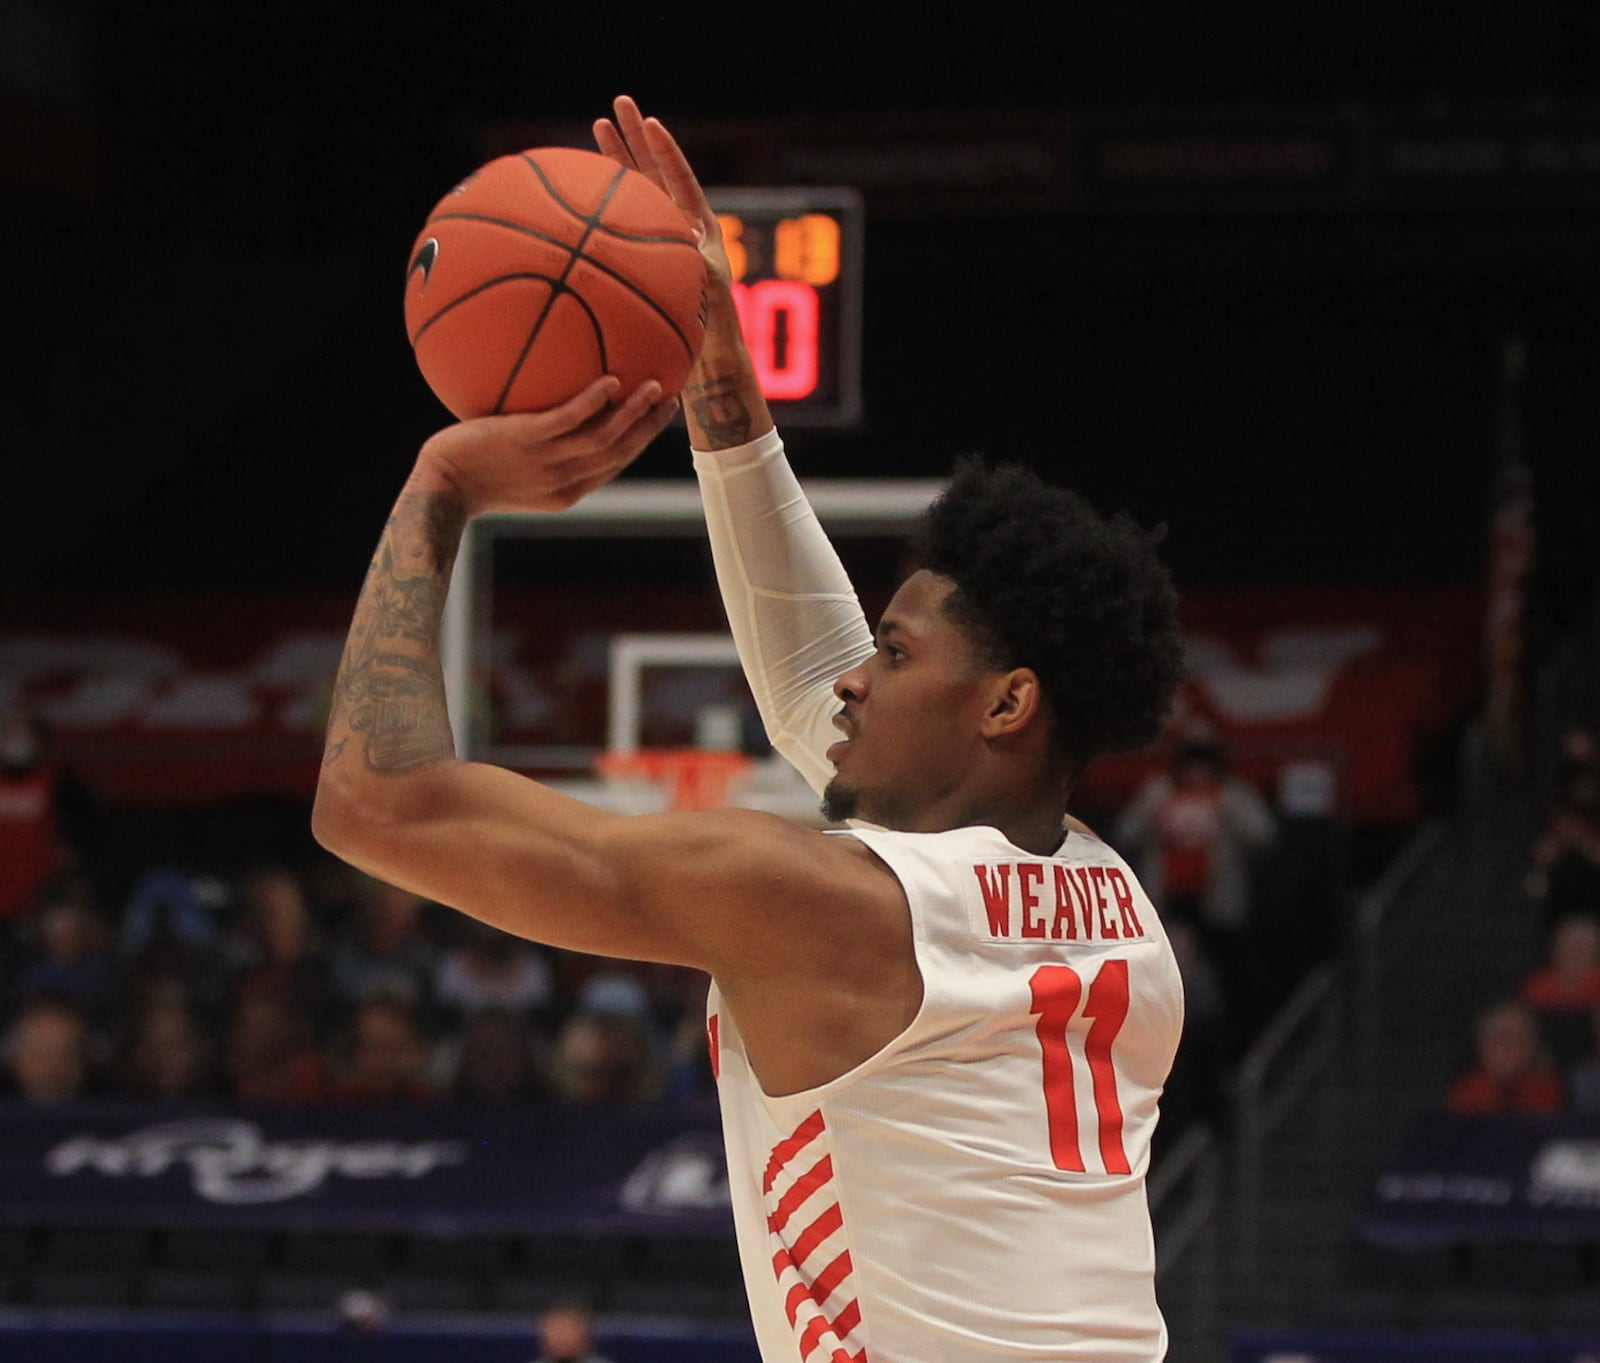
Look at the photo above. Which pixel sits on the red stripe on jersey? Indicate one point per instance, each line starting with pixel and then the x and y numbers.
pixel 785 1150
pixel 802 1188
pixel 830 1278
pixel 838 1327
pixel 714 1043
pixel 818 1231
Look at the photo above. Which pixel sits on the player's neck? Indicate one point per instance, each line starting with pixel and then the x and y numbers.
pixel 1035 826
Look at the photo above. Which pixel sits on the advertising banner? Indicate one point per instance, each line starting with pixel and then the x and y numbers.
pixel 447 1171
pixel 1464 1180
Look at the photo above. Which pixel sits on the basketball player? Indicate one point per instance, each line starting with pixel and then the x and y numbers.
pixel 940 1040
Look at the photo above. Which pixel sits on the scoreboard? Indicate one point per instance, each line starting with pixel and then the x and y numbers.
pixel 796 258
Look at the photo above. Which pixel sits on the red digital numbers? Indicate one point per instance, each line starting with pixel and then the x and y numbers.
pixel 779 318
pixel 1057 991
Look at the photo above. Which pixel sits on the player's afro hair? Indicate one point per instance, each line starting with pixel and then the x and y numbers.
pixel 1044 581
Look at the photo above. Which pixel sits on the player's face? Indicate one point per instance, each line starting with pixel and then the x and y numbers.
pixel 910 715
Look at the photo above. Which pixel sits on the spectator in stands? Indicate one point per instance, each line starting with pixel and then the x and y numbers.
pixel 689 1077
pixel 1564 991
pixel 269 1055
pixel 73 961
pixel 276 951
pixel 33 834
pixel 169 933
pixel 386 1057
pixel 1583 1078
pixel 497 1062
pixel 1512 1072
pixel 1190 833
pixel 165 1056
pixel 606 1058
pixel 387 951
pixel 47 1053
pixel 1564 871
pixel 491 969
pixel 566 1336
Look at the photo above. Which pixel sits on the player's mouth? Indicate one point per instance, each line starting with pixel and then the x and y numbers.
pixel 843 723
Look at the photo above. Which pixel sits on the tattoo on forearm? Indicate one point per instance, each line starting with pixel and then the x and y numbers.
pixel 718 407
pixel 390 691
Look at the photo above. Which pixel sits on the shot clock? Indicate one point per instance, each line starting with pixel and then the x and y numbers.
pixel 796 258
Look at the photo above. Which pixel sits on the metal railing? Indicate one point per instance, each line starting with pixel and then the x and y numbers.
pixel 1185 1194
pixel 1308 1033
pixel 1366 948
pixel 1298 1044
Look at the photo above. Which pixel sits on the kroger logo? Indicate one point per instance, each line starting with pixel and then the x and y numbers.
pixel 231 1161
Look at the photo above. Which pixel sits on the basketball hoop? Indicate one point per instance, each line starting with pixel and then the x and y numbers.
pixel 694 778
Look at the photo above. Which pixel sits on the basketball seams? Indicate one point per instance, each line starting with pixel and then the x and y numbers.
pixel 607 288
pixel 560 286
pixel 484 287
pixel 596 229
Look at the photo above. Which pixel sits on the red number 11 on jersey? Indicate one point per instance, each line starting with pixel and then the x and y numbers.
pixel 1057 990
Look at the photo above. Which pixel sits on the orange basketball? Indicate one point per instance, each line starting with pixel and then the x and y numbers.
pixel 544 270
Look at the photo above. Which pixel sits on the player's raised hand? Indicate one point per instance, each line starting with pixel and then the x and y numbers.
pixel 546 461
pixel 645 145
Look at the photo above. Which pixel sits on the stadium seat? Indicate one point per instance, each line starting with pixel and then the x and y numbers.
pixel 104 1288
pixel 1523 1268
pixel 571 1254
pixel 435 1292
pixel 530 1293
pixel 292 1290
pixel 197 1289
pixel 344 1255
pixel 458 1256
pixel 73 1249
pixel 244 1251
pixel 704 1302
pixel 699 1259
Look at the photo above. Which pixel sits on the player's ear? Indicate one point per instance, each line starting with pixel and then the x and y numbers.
pixel 1016 701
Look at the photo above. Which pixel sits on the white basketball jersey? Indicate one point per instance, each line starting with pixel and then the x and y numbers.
pixel 975 1191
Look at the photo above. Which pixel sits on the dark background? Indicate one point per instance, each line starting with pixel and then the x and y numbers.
pixel 208 207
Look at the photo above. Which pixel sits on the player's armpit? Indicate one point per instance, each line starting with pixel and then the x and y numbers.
pixel 729 891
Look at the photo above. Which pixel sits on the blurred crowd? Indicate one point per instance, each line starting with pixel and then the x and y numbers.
pixel 295 984
pixel 300 981
pixel 1538 1050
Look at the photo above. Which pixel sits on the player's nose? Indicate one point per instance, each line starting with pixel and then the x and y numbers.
pixel 851 685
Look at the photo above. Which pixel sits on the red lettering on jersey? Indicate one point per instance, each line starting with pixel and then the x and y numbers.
pixel 1131 926
pixel 1085 900
pixel 996 897
pixel 1107 931
pixel 1029 877
pixel 715 1045
pixel 1064 914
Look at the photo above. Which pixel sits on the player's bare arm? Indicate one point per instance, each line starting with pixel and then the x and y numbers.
pixel 728 892
pixel 722 400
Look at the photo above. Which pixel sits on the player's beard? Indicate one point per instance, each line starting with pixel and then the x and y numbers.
pixel 839 801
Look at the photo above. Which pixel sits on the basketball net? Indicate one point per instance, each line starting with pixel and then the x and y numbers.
pixel 694 778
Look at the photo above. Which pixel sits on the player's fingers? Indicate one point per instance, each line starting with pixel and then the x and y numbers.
pixel 674 170
pixel 556 424
pixel 601 430
pixel 584 406
pixel 631 122
pixel 608 427
pixel 610 142
pixel 605 463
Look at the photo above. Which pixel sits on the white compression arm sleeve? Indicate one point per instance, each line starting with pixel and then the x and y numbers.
pixel 793 612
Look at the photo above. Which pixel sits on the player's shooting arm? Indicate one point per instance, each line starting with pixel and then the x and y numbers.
pixel 711 890
pixel 791 608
